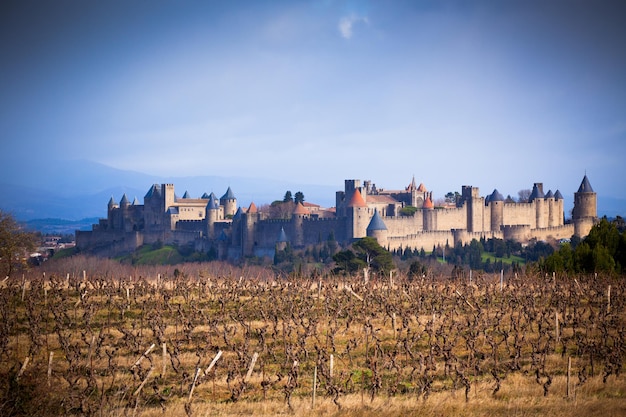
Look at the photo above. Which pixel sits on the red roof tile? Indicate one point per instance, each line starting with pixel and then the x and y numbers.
pixel 357 200
pixel 301 210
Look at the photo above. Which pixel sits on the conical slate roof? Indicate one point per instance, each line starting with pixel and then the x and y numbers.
pixel 154 190
pixel 585 186
pixel 282 236
pixel 124 201
pixel 549 194
pixel 205 196
pixel 212 204
pixel 111 202
pixel 135 202
pixel 558 195
pixel 229 195
pixel 536 193
pixel 376 223
pixel 186 195
pixel 238 213
pixel 357 200
pixel 496 196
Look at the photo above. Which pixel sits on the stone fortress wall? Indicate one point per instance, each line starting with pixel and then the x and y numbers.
pixel 361 210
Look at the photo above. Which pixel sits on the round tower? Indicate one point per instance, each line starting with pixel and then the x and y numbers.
pixel 110 207
pixel 378 230
pixel 537 198
pixel 212 215
pixel 429 213
pixel 229 202
pixel 551 208
pixel 282 241
pixel 560 211
pixel 496 204
pixel 585 212
pixel 297 217
pixel 358 216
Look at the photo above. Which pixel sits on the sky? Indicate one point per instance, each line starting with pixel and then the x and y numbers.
pixel 495 94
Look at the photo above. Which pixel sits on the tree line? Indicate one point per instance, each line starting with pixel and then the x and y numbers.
pixel 603 250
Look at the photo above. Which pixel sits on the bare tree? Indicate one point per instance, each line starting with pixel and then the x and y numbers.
pixel 523 195
pixel 15 243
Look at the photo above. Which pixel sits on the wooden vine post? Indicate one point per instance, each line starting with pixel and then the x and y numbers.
pixel 314 387
pixel 251 367
pixel 50 367
pixel 163 360
pixel 569 372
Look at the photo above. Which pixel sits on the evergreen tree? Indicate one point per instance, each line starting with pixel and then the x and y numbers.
pixel 375 256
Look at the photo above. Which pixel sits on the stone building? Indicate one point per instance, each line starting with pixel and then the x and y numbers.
pixel 361 210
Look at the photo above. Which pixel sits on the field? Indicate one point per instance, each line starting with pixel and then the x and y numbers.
pixel 93 337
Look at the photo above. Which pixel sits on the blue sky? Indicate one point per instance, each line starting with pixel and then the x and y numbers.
pixel 495 94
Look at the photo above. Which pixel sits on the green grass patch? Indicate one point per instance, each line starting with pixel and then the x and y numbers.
pixel 64 253
pixel 147 255
pixel 492 258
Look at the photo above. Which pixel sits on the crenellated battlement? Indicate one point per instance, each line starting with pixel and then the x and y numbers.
pixel 165 218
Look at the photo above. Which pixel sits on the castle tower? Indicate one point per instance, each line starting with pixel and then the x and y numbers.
pixel 212 215
pixel 585 212
pixel 237 229
pixel 552 209
pixel 343 197
pixel 154 208
pixel 124 202
pixel 496 204
pixel 429 213
pixel 122 214
pixel 560 211
pixel 475 208
pixel 229 202
pixel 298 217
pixel 537 197
pixel 168 196
pixel 248 230
pixel 358 217
pixel 111 213
pixel 378 230
pixel 282 241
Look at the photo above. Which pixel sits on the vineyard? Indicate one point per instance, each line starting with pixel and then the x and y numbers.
pixel 216 340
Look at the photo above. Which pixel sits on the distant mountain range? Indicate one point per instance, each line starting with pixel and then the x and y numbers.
pixel 81 189
pixel 74 194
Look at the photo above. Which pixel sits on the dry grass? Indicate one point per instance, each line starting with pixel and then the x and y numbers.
pixel 519 396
